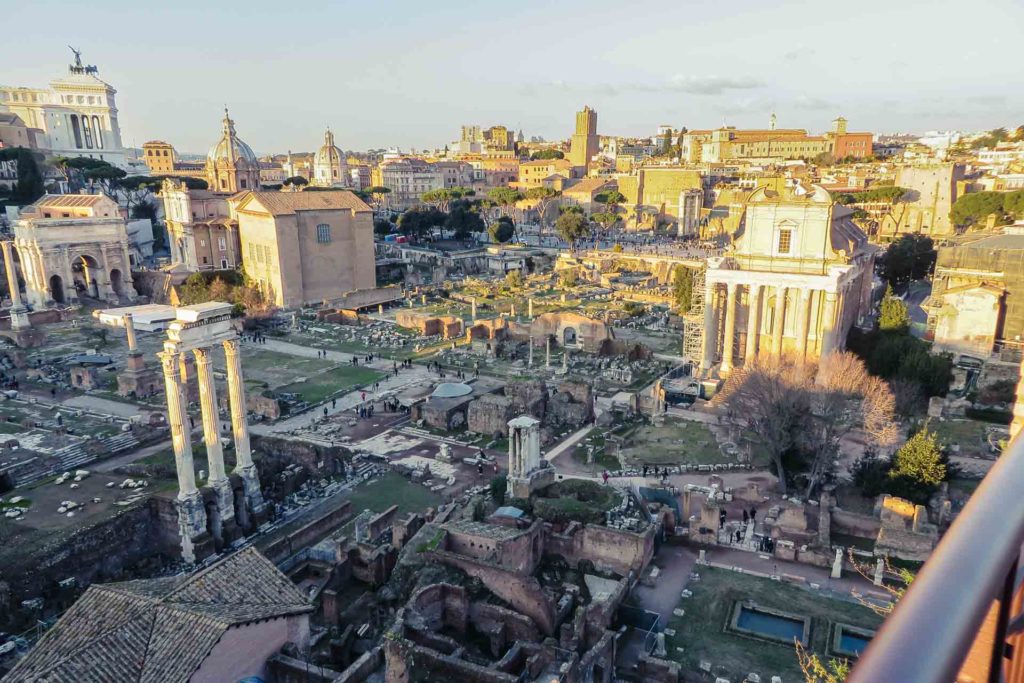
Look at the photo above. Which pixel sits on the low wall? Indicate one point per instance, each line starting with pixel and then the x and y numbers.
pixel 307 534
pixel 612 549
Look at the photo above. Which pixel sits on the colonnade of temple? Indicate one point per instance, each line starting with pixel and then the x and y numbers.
pixel 803 321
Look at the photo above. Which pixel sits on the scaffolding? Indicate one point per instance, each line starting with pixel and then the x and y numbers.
pixel 693 321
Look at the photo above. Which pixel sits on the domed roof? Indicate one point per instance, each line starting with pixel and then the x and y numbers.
pixel 451 390
pixel 231 147
pixel 328 154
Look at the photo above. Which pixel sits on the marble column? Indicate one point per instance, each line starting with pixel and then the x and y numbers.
pixel 191 512
pixel 828 324
pixel 708 352
pixel 803 323
pixel 129 328
pixel 473 313
pixel 753 322
pixel 529 363
pixel 244 467
pixel 211 422
pixel 530 311
pixel 729 339
pixel 779 322
pixel 19 314
pixel 547 352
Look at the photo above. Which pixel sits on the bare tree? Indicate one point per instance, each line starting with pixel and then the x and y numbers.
pixel 793 405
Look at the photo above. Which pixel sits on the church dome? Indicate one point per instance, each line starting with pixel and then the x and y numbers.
pixel 329 164
pixel 230 147
pixel 329 154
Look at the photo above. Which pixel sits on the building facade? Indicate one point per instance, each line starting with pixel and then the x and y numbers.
pixel 75 117
pixel 585 143
pixel 408 178
pixel 795 280
pixel 201 234
pixel 305 247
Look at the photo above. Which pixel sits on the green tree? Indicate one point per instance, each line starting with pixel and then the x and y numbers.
pixel 918 467
pixel 296 181
pixel 545 154
pixel 513 279
pixel 441 198
pixel 606 219
pixel 1013 203
pixel 502 230
pixel 682 288
pixel 976 207
pixel 377 194
pixel 911 257
pixel 194 290
pixel 463 220
pixel 418 222
pixel 610 198
pixel 893 313
pixel 571 226
pixel 382 227
pixel 545 198
pixel 30 185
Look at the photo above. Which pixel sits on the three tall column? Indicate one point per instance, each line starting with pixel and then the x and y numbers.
pixel 779 320
pixel 192 518
pixel 753 322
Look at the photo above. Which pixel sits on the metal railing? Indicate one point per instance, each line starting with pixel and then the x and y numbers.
pixel 962 618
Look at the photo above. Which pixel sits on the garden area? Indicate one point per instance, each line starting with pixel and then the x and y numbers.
pixel 701 635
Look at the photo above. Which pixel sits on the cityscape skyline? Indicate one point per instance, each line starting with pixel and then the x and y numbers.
pixel 637 80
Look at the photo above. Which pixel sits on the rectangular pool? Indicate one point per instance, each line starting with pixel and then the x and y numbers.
pixel 770 625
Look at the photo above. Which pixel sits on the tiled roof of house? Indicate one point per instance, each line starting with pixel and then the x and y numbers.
pixel 158 630
pixel 588 185
pixel 284 203
pixel 57 201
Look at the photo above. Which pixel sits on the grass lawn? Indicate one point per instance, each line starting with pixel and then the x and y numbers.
pixel 702 636
pixel 392 489
pixel 673 442
pixel 326 384
pixel 279 368
pixel 969 434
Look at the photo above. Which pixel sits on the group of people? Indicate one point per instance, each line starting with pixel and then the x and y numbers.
pixel 256 337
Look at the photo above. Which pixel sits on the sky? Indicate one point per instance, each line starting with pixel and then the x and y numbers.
pixel 408 73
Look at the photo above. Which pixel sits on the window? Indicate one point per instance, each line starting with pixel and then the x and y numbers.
pixel 323 233
pixel 785 241
pixel 223 264
pixel 222 244
pixel 244 185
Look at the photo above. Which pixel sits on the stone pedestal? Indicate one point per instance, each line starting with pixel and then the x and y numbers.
pixel 136 379
pixel 196 543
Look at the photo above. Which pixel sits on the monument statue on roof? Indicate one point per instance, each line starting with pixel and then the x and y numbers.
pixel 78 56
pixel 78 67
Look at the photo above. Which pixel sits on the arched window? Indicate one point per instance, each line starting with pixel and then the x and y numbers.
pixel 77 129
pixel 323 233
pixel 87 131
pixel 99 131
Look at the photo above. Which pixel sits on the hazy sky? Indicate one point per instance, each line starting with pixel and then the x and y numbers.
pixel 409 72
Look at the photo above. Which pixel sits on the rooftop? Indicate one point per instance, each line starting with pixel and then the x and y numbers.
pixel 159 630
pixel 285 203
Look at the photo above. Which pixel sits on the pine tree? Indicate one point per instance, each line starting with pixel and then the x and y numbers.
pixel 682 288
pixel 919 461
pixel 893 313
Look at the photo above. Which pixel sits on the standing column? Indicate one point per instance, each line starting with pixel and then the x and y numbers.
pixel 244 467
pixel 191 512
pixel 779 323
pixel 708 353
pixel 211 423
pixel 803 323
pixel 129 328
pixel 753 322
pixel 19 314
pixel 828 324
pixel 730 328
pixel 547 352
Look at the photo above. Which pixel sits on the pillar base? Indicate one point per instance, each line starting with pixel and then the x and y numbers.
pixel 196 543
pixel 225 500
pixel 19 318
pixel 25 337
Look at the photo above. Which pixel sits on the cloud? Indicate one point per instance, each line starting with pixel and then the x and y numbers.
pixel 694 85
pixel 809 102
pixel 713 85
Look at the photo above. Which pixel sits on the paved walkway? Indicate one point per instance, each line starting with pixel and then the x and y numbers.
pixel 102 405
pixel 407 377
pixel 570 442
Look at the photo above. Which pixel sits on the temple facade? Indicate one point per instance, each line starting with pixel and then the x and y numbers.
pixel 797 277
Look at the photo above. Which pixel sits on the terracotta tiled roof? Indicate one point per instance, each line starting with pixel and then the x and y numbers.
pixel 158 630
pixel 284 203
pixel 588 185
pixel 68 200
